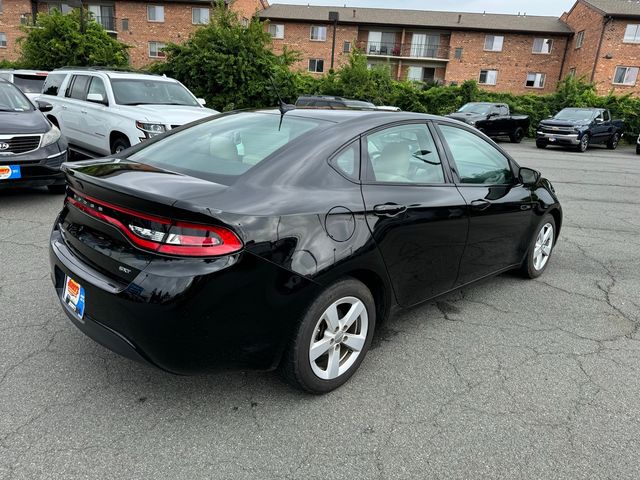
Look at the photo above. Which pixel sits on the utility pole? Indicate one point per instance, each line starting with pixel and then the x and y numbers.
pixel 333 16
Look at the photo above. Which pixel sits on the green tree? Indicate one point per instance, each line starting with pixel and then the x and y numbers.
pixel 57 41
pixel 229 64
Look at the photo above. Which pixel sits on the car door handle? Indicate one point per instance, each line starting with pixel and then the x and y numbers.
pixel 389 209
pixel 83 111
pixel 480 205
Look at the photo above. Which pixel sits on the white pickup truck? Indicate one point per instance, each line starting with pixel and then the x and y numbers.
pixel 103 112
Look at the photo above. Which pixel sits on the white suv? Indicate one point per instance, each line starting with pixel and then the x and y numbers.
pixel 103 112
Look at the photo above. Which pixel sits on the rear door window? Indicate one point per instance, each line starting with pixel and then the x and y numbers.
pixel 78 87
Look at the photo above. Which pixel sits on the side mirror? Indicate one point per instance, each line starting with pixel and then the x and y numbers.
pixel 44 106
pixel 96 98
pixel 528 176
pixel 202 101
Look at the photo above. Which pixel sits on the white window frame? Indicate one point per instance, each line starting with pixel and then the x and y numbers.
pixel 3 40
pixel 546 42
pixel 579 39
pixel 156 8
pixel 199 10
pixel 316 65
pixel 539 80
pixel 625 82
pixel 488 77
pixel 321 28
pixel 632 28
pixel 278 30
pixel 159 53
pixel 493 43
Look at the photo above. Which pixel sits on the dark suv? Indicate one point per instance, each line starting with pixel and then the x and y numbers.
pixel 31 148
pixel 332 102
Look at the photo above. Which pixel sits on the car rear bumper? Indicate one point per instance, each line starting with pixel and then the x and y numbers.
pixel 232 312
pixel 560 139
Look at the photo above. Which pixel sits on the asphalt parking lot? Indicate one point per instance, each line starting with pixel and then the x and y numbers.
pixel 505 379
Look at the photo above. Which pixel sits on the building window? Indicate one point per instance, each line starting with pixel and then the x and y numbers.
pixel 155 13
pixel 3 40
pixel 488 77
pixel 316 65
pixel 276 30
pixel 156 50
pixel 199 16
pixel 61 7
pixel 579 39
pixel 318 34
pixel 458 53
pixel 632 34
pixel 542 45
pixel 535 80
pixel 572 72
pixel 414 74
pixel 346 47
pixel 125 24
pixel 625 76
pixel 1 5
pixel 493 43
pixel 244 22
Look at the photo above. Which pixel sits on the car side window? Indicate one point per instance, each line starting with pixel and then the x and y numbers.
pixel 53 83
pixel 78 87
pixel 504 110
pixel 495 110
pixel 97 86
pixel 403 154
pixel 476 160
pixel 347 161
pixel 605 116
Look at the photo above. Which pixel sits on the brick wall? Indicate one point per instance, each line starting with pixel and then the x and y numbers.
pixel 10 26
pixel 583 18
pixel 247 8
pixel 613 53
pixel 297 37
pixel 513 63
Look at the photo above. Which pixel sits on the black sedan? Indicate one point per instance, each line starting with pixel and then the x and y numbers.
pixel 31 148
pixel 261 240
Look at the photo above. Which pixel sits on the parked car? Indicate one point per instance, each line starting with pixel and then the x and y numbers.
pixel 494 120
pixel 103 112
pixel 332 102
pixel 30 82
pixel 31 148
pixel 261 239
pixel 579 128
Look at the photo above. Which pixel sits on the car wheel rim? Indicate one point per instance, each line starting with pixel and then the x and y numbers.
pixel 616 139
pixel 584 143
pixel 543 246
pixel 119 148
pixel 338 338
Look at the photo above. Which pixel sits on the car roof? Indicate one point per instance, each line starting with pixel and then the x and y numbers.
pixel 115 74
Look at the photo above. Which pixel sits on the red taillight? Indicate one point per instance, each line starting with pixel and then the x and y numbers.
pixel 160 234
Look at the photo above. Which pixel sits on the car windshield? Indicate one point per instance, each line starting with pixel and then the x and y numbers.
pixel 12 99
pixel 29 83
pixel 575 115
pixel 478 108
pixel 131 91
pixel 226 147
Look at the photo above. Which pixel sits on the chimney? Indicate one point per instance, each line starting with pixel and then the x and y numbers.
pixel 459 18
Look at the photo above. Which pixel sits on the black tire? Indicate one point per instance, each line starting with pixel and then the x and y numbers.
pixel 612 144
pixel 517 136
pixel 584 143
pixel 528 268
pixel 57 189
pixel 118 144
pixel 637 150
pixel 296 365
pixel 541 144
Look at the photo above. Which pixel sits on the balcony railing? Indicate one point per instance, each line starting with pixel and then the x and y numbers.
pixel 108 23
pixel 408 50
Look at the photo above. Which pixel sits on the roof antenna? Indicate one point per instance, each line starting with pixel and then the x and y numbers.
pixel 283 107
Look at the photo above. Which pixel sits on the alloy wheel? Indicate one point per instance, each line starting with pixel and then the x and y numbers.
pixel 338 338
pixel 584 143
pixel 543 246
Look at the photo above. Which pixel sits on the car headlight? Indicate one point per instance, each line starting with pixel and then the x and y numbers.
pixel 52 136
pixel 150 129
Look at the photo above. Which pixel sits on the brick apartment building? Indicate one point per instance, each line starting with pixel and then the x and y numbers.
pixel 145 25
pixel 596 39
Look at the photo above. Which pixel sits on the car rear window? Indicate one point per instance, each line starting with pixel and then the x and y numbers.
pixel 29 83
pixel 226 147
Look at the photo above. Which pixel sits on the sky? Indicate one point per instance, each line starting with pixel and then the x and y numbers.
pixel 538 7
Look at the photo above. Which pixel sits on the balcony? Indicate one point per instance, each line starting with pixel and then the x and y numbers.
pixel 108 23
pixel 405 50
